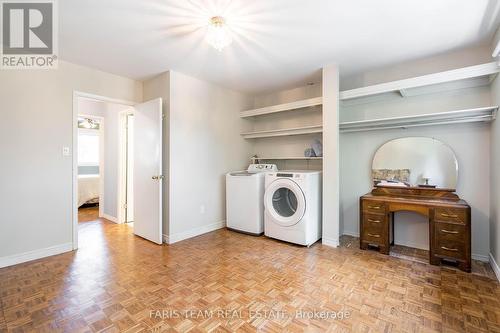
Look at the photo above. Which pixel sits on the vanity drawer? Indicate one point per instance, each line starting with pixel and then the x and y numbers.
pixel 450 232
pixel 373 236
pixel 373 207
pixel 454 215
pixel 451 248
pixel 374 229
pixel 374 222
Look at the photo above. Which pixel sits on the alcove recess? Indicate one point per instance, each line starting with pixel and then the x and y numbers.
pixel 283 125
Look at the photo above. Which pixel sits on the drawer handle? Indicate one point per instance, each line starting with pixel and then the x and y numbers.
pixel 373 221
pixel 449 249
pixel 449 215
pixel 374 207
pixel 376 236
pixel 449 232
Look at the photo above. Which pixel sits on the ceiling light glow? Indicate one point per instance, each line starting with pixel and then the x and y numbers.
pixel 218 33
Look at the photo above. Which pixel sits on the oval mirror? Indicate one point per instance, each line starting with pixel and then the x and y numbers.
pixel 415 162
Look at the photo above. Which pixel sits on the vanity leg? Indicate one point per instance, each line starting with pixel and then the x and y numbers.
pixel 384 249
pixel 363 246
pixel 392 228
pixel 434 261
pixel 465 266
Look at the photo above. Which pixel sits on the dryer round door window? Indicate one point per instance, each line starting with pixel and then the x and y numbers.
pixel 285 202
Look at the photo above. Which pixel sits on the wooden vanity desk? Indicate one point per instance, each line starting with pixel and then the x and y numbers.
pixel 449 221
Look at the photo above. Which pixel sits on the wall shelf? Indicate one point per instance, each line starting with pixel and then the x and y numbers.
pixel 486 114
pixel 283 107
pixel 286 158
pixel 283 132
pixel 453 79
pixel 466 77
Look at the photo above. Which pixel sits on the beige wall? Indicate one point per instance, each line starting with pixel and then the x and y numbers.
pixel 287 146
pixel 438 63
pixel 205 144
pixel 36 191
pixel 495 173
pixel 495 178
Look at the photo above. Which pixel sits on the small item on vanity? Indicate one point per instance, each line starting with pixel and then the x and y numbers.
pixel 309 152
pixel 426 185
pixel 317 146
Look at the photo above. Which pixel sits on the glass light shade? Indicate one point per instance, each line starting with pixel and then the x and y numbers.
pixel 218 34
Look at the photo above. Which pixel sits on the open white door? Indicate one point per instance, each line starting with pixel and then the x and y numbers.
pixel 148 170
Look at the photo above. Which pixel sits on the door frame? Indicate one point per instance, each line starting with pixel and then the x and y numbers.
pixel 123 160
pixel 76 96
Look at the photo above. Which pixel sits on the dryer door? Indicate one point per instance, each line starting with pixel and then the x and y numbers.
pixel 285 202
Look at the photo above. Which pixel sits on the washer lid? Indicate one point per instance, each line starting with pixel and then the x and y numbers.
pixel 241 174
pixel 285 202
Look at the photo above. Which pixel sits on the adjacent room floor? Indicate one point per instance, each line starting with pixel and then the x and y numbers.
pixel 119 282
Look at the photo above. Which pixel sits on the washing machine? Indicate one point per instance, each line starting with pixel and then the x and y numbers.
pixel 244 198
pixel 293 206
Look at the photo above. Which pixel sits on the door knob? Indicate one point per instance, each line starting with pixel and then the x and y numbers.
pixel 157 177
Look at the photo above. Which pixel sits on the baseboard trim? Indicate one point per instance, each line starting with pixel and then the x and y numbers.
pixel 110 218
pixel 330 242
pixel 35 254
pixel 351 233
pixel 495 266
pixel 424 246
pixel 480 257
pixel 171 239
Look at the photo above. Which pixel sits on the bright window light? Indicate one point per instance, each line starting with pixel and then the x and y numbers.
pixel 88 148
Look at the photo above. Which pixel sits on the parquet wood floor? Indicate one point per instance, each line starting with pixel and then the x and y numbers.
pixel 88 214
pixel 115 281
pixel 413 254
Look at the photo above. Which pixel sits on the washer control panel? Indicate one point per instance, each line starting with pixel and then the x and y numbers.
pixel 253 168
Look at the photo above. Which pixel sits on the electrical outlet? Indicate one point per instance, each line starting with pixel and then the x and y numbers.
pixel 66 151
pixel 202 209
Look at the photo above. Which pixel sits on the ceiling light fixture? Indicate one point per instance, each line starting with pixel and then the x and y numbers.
pixel 218 34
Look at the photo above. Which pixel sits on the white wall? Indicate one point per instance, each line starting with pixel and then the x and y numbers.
pixel 205 143
pixel 470 142
pixel 111 114
pixel 36 191
pixel 331 159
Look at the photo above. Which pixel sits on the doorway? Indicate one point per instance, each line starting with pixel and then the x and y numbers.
pixel 98 153
pixel 129 164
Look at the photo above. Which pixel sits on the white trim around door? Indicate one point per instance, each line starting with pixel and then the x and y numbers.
pixel 76 96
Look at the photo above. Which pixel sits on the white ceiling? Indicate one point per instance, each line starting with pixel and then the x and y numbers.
pixel 277 43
